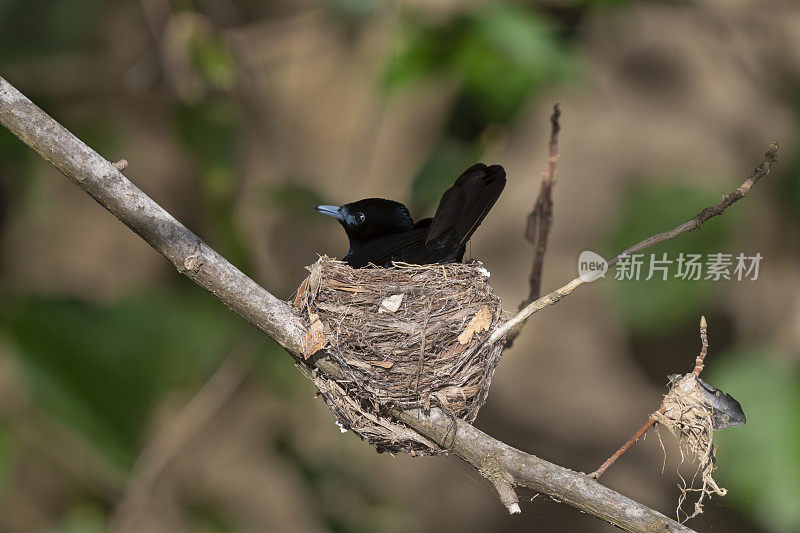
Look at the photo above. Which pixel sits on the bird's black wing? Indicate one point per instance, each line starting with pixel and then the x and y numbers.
pixel 406 247
pixel 464 205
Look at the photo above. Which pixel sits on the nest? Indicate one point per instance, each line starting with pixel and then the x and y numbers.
pixel 688 416
pixel 411 336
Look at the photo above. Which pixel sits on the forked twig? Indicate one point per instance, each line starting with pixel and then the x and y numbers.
pixel 540 220
pixel 624 448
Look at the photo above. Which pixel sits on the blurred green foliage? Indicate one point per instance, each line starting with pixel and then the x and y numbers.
pixel 209 131
pixel 439 172
pixel 47 27
pixel 647 209
pixel 759 463
pixel 214 62
pixel 332 482
pixel 352 12
pixel 295 200
pixel 789 174
pixel 7 457
pixel 101 368
pixel 84 517
pixel 207 518
pixel 499 54
pixel 208 126
pixel 16 160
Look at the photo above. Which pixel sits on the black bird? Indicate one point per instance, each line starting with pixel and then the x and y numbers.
pixel 381 231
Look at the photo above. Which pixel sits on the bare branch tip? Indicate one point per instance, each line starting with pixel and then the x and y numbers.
pixel 772 152
pixel 770 158
pixel 555 116
pixel 506 492
pixel 703 323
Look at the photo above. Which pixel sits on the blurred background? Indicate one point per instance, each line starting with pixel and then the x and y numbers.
pixel 131 400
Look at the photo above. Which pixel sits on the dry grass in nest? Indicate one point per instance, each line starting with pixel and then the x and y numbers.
pixel 687 415
pixel 411 336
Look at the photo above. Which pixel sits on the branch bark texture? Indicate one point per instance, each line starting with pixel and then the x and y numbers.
pixel 503 465
pixel 507 467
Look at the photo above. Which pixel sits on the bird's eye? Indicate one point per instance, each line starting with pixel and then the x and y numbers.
pixel 359 218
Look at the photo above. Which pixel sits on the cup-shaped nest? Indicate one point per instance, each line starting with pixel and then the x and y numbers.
pixel 411 336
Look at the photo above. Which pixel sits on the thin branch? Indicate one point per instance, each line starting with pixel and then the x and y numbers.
pixel 174 436
pixel 195 259
pixel 693 224
pixel 540 220
pixel 545 301
pixel 624 448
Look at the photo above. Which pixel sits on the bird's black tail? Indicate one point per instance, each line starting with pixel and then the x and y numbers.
pixel 464 205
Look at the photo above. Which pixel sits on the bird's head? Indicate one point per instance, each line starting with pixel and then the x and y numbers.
pixel 370 218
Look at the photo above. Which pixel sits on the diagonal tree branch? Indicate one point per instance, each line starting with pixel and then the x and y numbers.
pixel 185 250
pixel 503 465
pixel 507 467
pixel 693 224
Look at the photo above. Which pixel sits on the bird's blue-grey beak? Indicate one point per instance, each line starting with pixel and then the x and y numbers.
pixel 331 211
